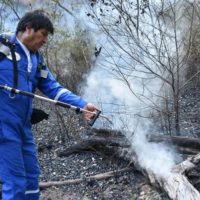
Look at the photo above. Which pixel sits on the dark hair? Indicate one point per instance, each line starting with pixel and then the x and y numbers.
pixel 36 20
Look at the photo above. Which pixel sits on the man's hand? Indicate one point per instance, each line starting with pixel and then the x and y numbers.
pixel 90 107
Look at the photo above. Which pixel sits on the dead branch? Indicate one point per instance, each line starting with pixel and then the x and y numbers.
pixel 103 141
pixel 94 144
pixel 101 176
pixel 64 8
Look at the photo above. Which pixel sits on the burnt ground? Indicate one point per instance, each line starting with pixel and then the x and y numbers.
pixel 127 186
pixel 51 138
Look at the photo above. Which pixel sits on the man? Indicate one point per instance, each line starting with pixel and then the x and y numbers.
pixel 19 170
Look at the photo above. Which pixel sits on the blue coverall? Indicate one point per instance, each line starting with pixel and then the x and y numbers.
pixel 19 168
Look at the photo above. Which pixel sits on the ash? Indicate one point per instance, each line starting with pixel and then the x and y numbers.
pixel 52 136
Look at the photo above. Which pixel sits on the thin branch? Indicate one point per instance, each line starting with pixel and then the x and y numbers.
pixel 63 7
pixel 85 179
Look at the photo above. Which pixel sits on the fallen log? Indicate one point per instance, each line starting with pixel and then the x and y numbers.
pixel 176 184
pixel 178 187
pixel 185 142
pixel 111 144
pixel 187 151
pixel 99 145
pixel 179 141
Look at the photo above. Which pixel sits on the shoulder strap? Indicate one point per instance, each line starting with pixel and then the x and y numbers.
pixel 6 41
pixel 41 61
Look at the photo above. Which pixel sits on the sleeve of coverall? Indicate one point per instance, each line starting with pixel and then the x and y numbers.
pixel 51 88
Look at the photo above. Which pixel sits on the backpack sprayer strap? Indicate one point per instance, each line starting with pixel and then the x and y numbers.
pixel 7 48
pixel 15 69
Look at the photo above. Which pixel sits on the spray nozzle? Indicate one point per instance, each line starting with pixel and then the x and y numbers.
pixel 92 121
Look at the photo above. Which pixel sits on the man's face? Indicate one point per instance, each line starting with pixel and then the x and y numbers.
pixel 36 39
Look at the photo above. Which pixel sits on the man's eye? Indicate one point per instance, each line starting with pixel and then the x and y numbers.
pixel 45 34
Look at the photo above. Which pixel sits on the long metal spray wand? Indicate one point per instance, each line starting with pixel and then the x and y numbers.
pixel 59 103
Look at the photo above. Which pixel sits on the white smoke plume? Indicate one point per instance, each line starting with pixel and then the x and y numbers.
pixel 125 104
pixel 158 158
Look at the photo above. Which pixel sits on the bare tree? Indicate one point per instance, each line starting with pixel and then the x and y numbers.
pixel 153 41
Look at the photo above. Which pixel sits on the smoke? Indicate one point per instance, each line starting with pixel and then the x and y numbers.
pixel 129 100
pixel 124 109
pixel 158 158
